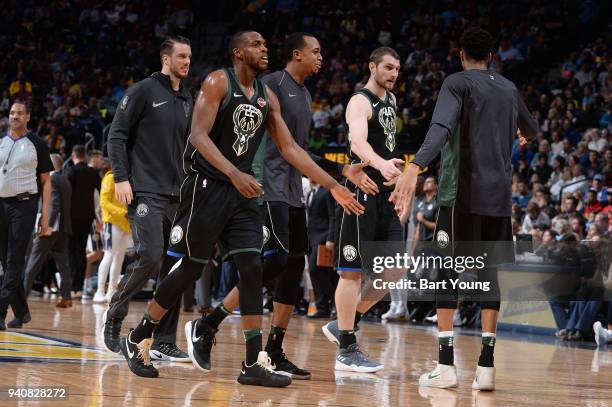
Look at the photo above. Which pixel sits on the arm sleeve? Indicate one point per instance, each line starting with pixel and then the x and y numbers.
pixel 526 122
pixel 42 155
pixel 128 113
pixel 445 118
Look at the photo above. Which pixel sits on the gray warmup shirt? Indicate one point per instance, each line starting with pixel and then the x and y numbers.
pixel 475 120
pixel 282 182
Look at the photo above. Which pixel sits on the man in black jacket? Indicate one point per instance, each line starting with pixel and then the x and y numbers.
pixel 145 145
pixel 321 224
pixel 84 181
pixel 57 242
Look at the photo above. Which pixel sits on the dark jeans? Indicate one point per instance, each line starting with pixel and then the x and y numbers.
pixel 575 315
pixel 56 244
pixel 78 256
pixel 16 225
pixel 324 281
pixel 151 219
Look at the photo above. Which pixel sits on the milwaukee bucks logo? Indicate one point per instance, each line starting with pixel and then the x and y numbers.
pixel 386 118
pixel 247 119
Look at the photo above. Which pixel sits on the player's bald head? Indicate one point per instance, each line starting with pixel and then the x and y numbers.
pixel 239 40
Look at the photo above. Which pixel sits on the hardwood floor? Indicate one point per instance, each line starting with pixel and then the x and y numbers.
pixel 63 348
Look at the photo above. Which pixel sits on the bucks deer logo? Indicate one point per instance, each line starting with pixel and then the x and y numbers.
pixel 386 118
pixel 247 119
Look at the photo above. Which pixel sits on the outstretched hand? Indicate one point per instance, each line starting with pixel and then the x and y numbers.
pixel 358 177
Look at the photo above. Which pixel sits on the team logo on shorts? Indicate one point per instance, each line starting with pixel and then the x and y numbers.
pixel 386 118
pixel 442 239
pixel 124 102
pixel 349 252
pixel 107 236
pixel 247 119
pixel 266 234
pixel 176 234
pixel 142 210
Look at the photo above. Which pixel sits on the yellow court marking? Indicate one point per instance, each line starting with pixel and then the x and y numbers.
pixel 17 346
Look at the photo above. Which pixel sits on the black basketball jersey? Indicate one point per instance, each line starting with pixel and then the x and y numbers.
pixel 381 132
pixel 237 131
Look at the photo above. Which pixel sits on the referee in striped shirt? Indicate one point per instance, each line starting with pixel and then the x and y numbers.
pixel 25 164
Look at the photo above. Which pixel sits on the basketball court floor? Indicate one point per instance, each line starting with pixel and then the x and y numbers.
pixel 63 348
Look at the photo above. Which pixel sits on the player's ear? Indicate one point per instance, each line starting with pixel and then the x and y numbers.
pixel 372 67
pixel 490 58
pixel 297 55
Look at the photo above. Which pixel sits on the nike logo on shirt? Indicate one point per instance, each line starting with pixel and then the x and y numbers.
pixel 375 104
pixel 237 95
pixel 291 95
pixel 159 104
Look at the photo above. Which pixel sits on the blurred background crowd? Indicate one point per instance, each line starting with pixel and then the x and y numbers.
pixel 73 60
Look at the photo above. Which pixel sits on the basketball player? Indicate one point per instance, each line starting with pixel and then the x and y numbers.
pixel 218 204
pixel 285 239
pixel 370 116
pixel 474 124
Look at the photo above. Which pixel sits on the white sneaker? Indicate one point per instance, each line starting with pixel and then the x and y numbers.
pixel 442 377
pixel 389 312
pixel 484 378
pixel 601 334
pixel 99 298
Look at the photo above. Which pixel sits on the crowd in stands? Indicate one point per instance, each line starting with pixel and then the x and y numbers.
pixel 74 60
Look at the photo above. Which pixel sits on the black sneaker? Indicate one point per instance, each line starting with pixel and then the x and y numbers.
pixel 285 367
pixel 18 322
pixel 111 331
pixel 2 325
pixel 137 356
pixel 199 347
pixel 168 352
pixel 261 373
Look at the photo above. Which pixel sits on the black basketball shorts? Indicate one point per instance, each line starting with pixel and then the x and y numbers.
pixel 211 212
pixel 284 229
pixel 379 223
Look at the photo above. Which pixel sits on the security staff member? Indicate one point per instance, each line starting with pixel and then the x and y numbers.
pixel 24 162
pixel 146 144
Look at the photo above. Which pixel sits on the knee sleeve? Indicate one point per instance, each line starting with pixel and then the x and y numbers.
pixel 274 264
pixel 180 277
pixel 490 299
pixel 494 305
pixel 288 283
pixel 250 284
pixel 446 298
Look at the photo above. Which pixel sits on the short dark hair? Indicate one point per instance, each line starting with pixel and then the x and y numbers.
pixel 292 42
pixel 24 103
pixel 167 46
pixel 476 43
pixel 94 153
pixel 377 55
pixel 79 151
pixel 236 41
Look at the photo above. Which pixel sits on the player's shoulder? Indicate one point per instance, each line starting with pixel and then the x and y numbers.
pixel 273 79
pixel 217 79
pixel 460 78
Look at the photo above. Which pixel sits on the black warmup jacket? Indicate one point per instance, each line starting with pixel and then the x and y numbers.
pixel 147 137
